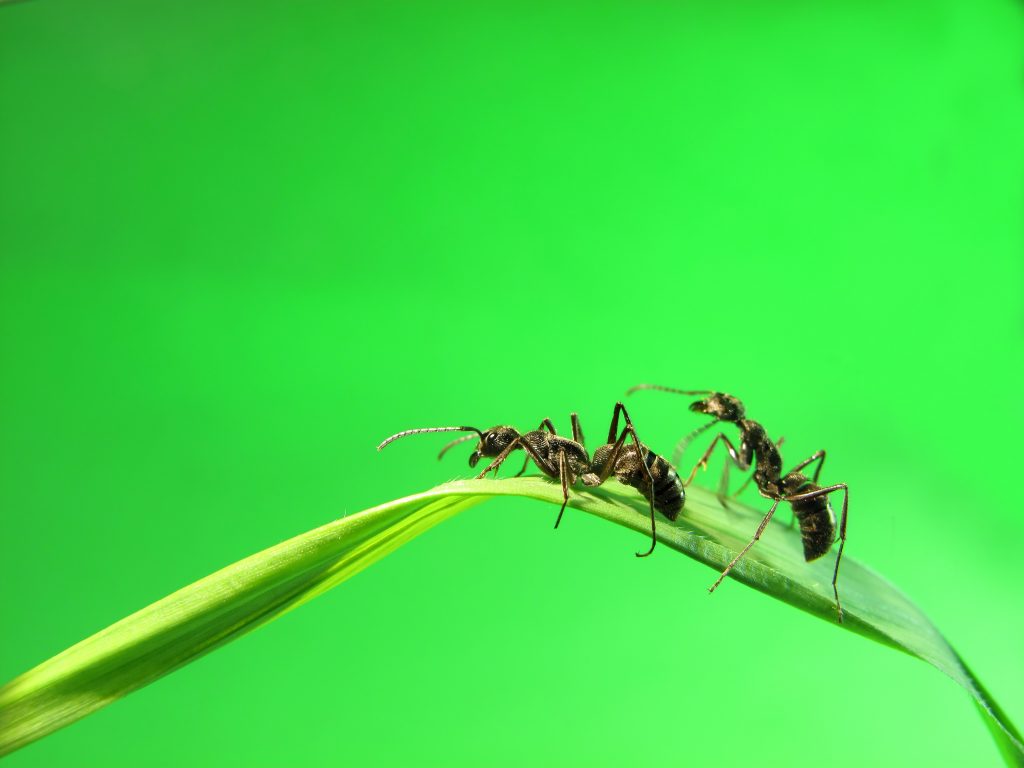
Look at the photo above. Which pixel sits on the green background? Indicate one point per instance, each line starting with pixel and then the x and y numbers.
pixel 243 242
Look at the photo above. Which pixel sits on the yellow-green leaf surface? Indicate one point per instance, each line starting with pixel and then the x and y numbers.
pixel 228 604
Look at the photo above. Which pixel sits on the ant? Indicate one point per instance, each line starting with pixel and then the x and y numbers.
pixel 808 499
pixel 567 460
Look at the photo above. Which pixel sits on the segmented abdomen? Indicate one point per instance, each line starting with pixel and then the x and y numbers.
pixel 817 523
pixel 669 495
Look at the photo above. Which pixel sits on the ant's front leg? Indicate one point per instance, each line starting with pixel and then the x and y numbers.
pixel 546 424
pixel 563 474
pixel 500 458
pixel 737 460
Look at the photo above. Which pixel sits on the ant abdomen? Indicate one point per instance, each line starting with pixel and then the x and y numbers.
pixel 667 491
pixel 816 518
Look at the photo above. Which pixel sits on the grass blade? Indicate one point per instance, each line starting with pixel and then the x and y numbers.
pixel 209 613
pixel 226 605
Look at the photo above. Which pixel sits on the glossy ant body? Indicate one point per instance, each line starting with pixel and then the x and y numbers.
pixel 567 460
pixel 639 467
pixel 809 500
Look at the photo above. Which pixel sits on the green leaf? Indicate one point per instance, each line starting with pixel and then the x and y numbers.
pixel 228 604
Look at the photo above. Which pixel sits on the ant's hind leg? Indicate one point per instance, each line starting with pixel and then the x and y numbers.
pixel 839 556
pixel 619 407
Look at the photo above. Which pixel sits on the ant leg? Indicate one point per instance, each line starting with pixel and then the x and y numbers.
pixel 577 430
pixel 757 535
pixel 619 407
pixel 743 487
pixel 680 449
pixel 723 488
pixel 704 459
pixel 839 556
pixel 526 462
pixel 817 456
pixel 613 429
pixel 563 474
pixel 842 531
pixel 613 458
pixel 500 458
pixel 561 471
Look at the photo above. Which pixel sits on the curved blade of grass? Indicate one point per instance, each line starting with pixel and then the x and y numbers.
pixel 213 611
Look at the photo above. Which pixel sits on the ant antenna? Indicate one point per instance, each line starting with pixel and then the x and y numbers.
pixel 428 429
pixel 638 387
pixel 702 428
pixel 681 446
pixel 453 443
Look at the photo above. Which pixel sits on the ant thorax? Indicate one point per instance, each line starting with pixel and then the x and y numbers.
pixel 758 448
pixel 601 457
pixel 549 446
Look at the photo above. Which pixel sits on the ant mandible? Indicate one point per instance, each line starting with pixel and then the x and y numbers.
pixel 808 499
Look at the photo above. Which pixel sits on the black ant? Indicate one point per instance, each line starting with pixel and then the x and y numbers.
pixel 567 460
pixel 808 499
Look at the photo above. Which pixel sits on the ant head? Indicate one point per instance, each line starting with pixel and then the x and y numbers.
pixel 720 405
pixel 493 442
